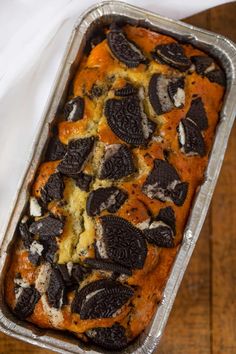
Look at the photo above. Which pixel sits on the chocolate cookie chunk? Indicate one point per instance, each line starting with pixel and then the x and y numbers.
pixel 173 55
pixel 167 215
pixel 49 248
pixel 26 302
pixel 190 138
pixel 56 289
pixel 124 242
pixel 124 50
pixel 176 91
pixel 217 76
pixel 53 189
pixel 128 121
pixel 179 193
pixel 160 235
pixel 111 338
pixel 74 109
pixel 127 90
pixel 26 235
pixel 110 198
pixel 158 94
pixel 101 299
pixel 117 162
pixel 47 227
pixel 56 150
pixel 202 63
pixel 197 113
pixel 79 272
pixel 83 181
pixel 162 182
pixel 76 156
pixel 104 264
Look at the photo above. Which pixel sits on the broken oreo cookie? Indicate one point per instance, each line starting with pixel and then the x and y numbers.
pixel 190 138
pixel 47 227
pixel 173 55
pixel 162 95
pixel 162 183
pixel 127 90
pixel 167 215
pixel 128 121
pixel 124 50
pixel 197 113
pixel 83 181
pixel 176 91
pixel 124 242
pixel 101 299
pixel 56 150
pixel 111 338
pixel 53 189
pixel 202 63
pixel 104 264
pixel 56 289
pixel 74 109
pixel 160 234
pixel 76 156
pixel 110 198
pixel 217 76
pixel 26 302
pixel 117 162
pixel 26 235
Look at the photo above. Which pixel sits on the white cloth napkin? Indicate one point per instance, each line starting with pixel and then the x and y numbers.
pixel 33 37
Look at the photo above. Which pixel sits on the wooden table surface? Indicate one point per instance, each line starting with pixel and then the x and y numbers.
pixel 203 319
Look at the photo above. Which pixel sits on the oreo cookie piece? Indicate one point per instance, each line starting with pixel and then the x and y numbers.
pixel 26 302
pixel 74 109
pixel 49 249
pixel 104 264
pixel 56 289
pixel 35 252
pixel 96 91
pixel 53 189
pixel 167 215
pixel 111 338
pixel 124 50
pixel 83 181
pixel 217 76
pixel 202 63
pixel 48 226
pixel 162 181
pixel 159 234
pixel 176 92
pixel 179 193
pixel 158 94
pixel 173 55
pixel 101 299
pixel 56 150
pixel 190 138
pixel 127 90
pixel 197 113
pixel 78 272
pixel 124 242
pixel 63 269
pixel 76 156
pixel 26 236
pixel 128 121
pixel 117 162
pixel 110 198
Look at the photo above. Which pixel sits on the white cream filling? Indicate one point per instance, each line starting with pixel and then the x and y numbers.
pixel 144 224
pixel 35 208
pixel 69 266
pixel 210 68
pixel 36 247
pixel 181 134
pixel 179 97
pixel 71 115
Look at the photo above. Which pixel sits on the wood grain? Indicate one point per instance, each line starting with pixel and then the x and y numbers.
pixel 203 319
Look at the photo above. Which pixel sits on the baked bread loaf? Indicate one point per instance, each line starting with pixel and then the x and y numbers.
pixel 110 202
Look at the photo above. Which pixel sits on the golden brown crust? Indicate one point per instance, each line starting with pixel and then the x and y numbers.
pixel 100 68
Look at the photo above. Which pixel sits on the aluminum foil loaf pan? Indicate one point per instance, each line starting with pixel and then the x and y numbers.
pixel 224 51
